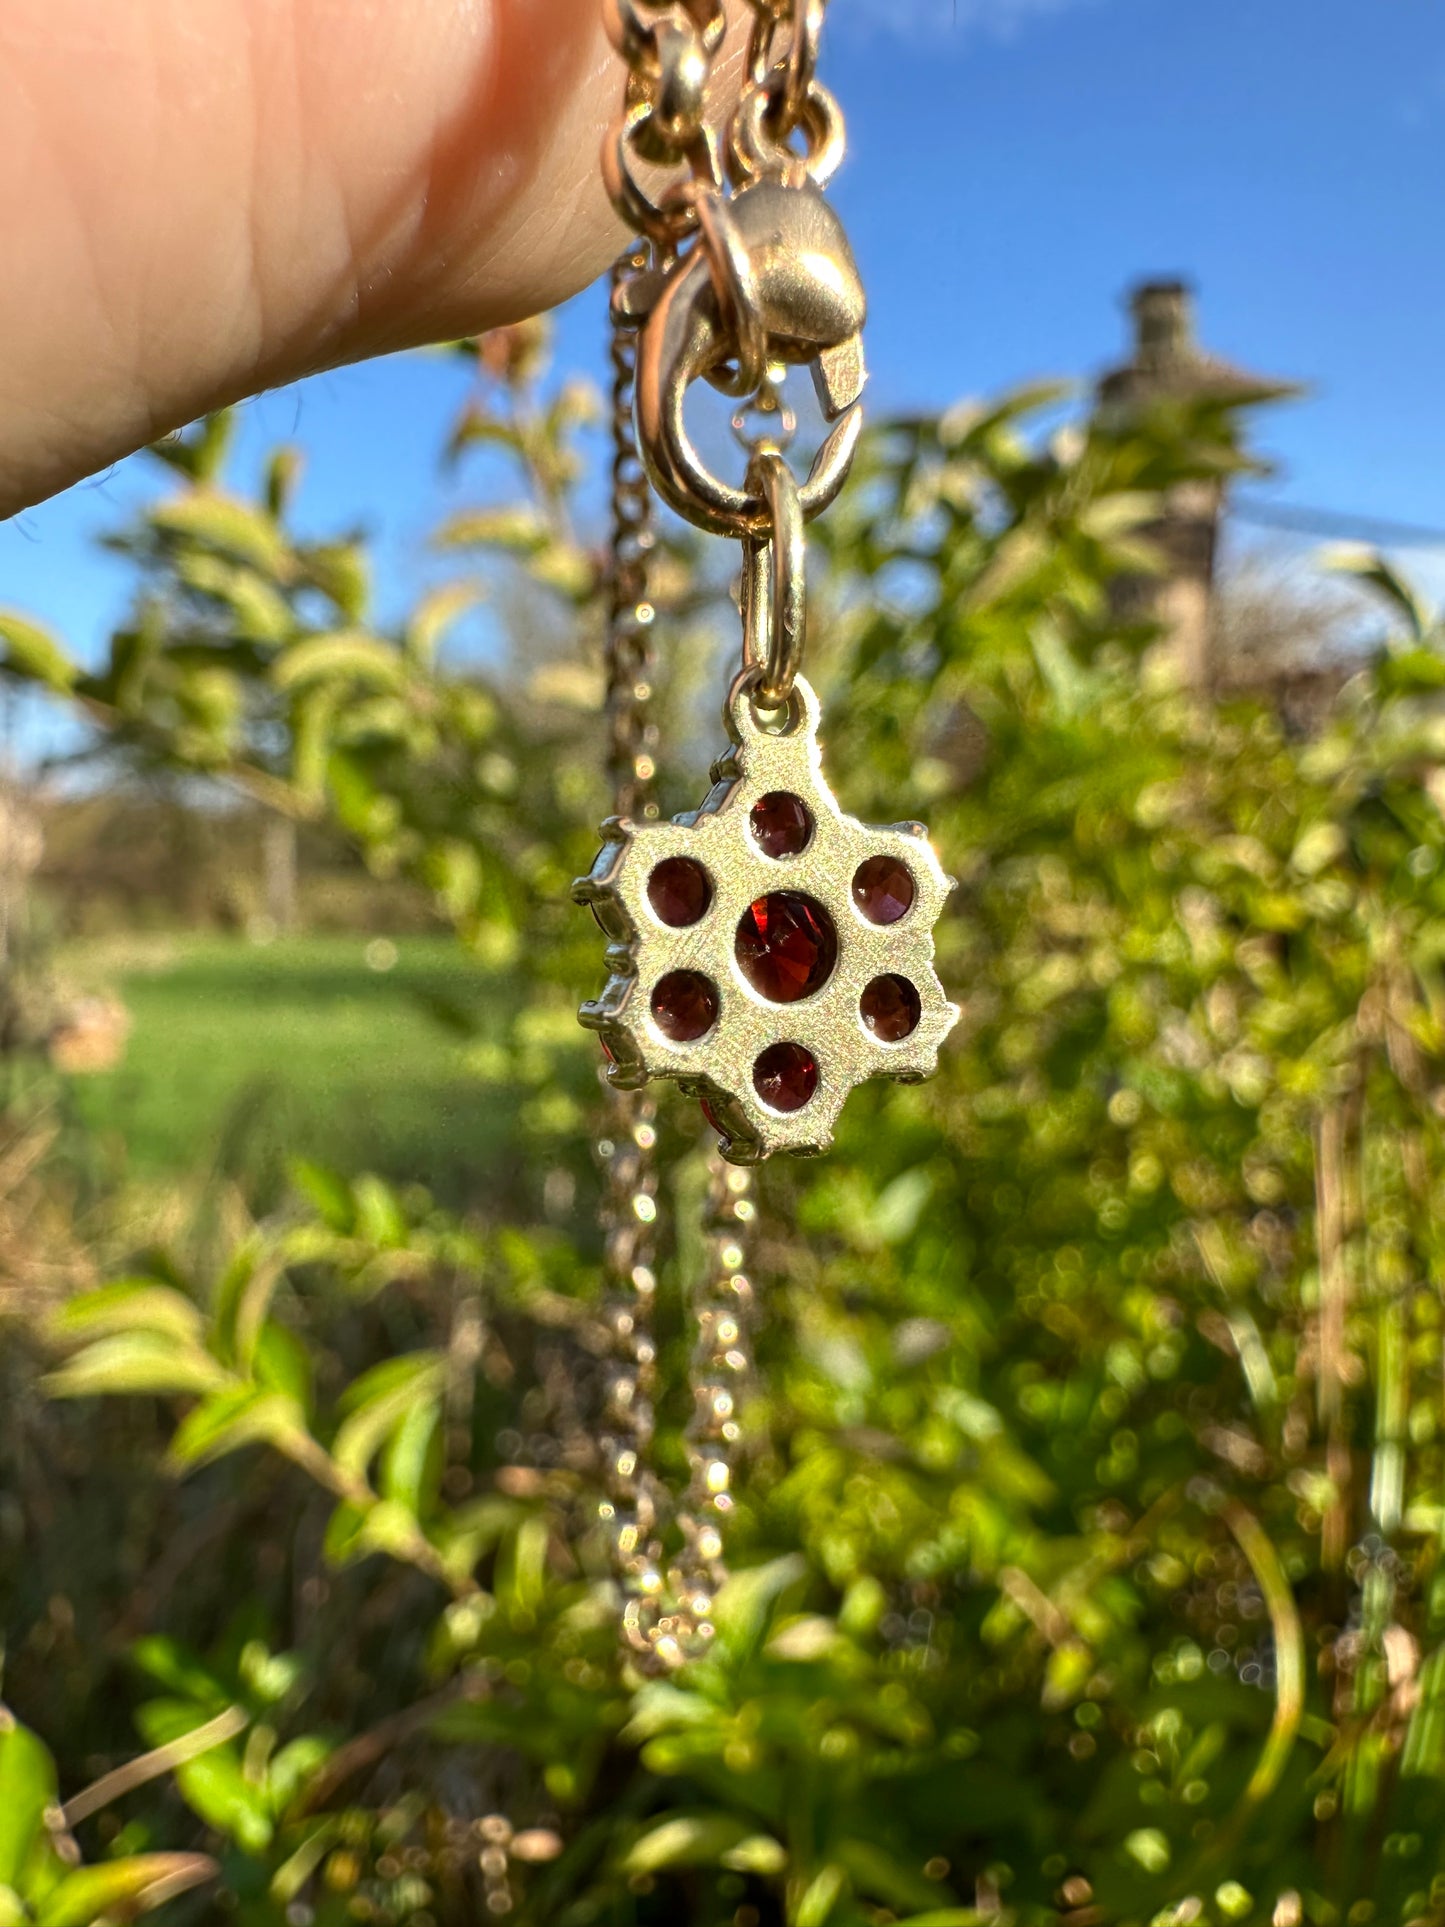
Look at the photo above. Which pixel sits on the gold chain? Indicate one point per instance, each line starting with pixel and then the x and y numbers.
pixel 670 50
pixel 722 1367
pixel 636 1500
pixel 667 1608
pixel 769 280
pixel 632 760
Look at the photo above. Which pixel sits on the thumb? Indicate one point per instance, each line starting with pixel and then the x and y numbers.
pixel 202 198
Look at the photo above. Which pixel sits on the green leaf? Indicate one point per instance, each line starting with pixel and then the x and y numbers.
pixel 201 451
pixel 284 1364
pixel 453 869
pixel 1018 559
pixel 380 1401
pixel 522 1578
pixel 293 1768
pixel 173 1665
pixel 1369 566
pixel 12 1908
pixel 269 1677
pixel 342 572
pixel 434 616
pixel 284 470
pixel 327 1193
pixel 821 1897
pixel 216 1789
pixel 33 655
pixel 27 1791
pixel 349 657
pixel 131 1304
pixel 1411 672
pixel 390 1528
pixel 345 1535
pixel 121 1889
pixel 950 1917
pixel 759 1854
pixel 409 1463
pixel 1114 515
pixel 380 1219
pixel 565 567
pixel 229 526
pixel 293 1874
pixel 686 1840
pixel 231 1420
pixel 243 1297
pixel 746 1601
pixel 1424 1751
pixel 137 1361
pixel 521 531
pixel 258 610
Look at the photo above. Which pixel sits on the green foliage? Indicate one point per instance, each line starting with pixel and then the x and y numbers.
pixel 1089 1543
pixel 42 1883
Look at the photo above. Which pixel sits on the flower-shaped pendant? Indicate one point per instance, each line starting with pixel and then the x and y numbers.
pixel 768 952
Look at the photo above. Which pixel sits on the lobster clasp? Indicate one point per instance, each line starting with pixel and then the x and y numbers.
pixel 771 278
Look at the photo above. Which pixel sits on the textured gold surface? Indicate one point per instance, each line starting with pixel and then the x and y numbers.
pixel 644 950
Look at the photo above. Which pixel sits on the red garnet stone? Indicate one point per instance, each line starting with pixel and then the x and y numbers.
pixel 892 1009
pixel 884 889
pixel 680 891
pixel 786 1077
pixel 787 947
pixel 782 825
pixel 685 1006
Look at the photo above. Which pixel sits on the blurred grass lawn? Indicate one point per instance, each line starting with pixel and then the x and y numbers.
pixel 242 1055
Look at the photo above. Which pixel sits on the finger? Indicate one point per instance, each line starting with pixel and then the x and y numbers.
pixel 202 198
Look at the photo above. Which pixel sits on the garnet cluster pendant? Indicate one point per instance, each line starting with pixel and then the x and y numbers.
pixel 768 952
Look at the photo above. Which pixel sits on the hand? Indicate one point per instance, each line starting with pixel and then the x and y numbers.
pixel 203 198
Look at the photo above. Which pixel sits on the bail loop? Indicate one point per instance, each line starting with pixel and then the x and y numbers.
pixel 775 584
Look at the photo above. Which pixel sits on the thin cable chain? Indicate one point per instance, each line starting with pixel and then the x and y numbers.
pixel 636 1501
pixel 632 762
pixel 666 1619
pixel 722 1368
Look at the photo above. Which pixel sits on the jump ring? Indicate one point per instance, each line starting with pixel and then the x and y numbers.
pixel 754 150
pixel 672 215
pixel 775 581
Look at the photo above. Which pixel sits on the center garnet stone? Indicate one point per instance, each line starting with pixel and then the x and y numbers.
pixel 787 947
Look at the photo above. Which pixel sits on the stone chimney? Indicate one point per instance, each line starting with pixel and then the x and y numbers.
pixel 1167 363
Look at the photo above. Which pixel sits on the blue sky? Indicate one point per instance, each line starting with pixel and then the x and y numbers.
pixel 1015 164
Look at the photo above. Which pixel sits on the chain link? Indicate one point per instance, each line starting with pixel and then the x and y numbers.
pixel 670 47
pixel 786 76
